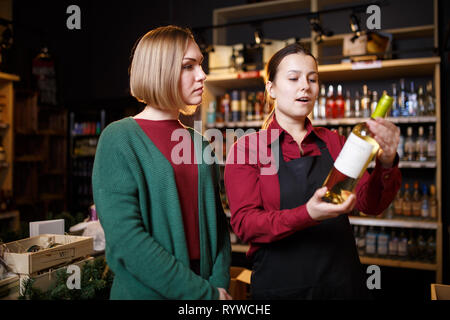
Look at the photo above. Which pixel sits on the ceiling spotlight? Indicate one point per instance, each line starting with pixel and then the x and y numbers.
pixel 355 26
pixel 258 37
pixel 314 22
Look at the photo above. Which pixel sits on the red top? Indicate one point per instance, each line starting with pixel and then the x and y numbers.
pixel 253 190
pixel 186 175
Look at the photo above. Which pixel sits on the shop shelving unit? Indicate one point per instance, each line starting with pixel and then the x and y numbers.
pixel 11 218
pixel 219 84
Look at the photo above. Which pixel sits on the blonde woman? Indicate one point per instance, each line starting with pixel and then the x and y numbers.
pixel 166 232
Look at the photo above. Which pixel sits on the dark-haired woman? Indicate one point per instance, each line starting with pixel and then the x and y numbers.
pixel 301 246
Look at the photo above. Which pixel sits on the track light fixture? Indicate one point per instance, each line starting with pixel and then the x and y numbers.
pixel 314 22
pixel 355 26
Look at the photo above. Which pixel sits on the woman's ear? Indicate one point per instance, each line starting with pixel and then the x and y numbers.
pixel 269 89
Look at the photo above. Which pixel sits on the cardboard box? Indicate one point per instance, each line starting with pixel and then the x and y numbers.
pixel 240 283
pixel 440 292
pixel 19 260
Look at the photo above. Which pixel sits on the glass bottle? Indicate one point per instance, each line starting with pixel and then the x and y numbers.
pixel 425 208
pixel 393 245
pixel 398 204
pixel 421 147
pixel 355 156
pixel 430 104
pixel 365 102
pixel 348 113
pixel 416 201
pixel 395 110
pixel 357 105
pixel 339 104
pixel 431 144
pixel 322 102
pixel 411 104
pixel 409 145
pixel 406 204
pixel 330 104
pixel 421 107
pixel 403 246
pixel 402 99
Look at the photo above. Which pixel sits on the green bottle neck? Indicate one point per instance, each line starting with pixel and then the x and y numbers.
pixel 383 106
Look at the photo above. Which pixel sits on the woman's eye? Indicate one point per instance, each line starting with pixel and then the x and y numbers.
pixel 293 79
pixel 187 67
pixel 313 80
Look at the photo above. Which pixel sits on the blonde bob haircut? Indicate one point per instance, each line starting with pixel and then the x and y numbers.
pixel 156 68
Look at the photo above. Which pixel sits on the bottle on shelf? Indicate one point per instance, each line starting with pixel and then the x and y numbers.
pixel 235 106
pixel 359 149
pixel 330 104
pixel 421 107
pixel 416 201
pixel 431 248
pixel 403 245
pixel 401 147
pixel 250 106
pixel 410 149
pixel 226 108
pixel 365 102
pixel 322 102
pixel 433 202
pixel 382 243
pixel 393 245
pixel 348 112
pixel 374 101
pixel 395 110
pixel 421 252
pixel 243 97
pixel 412 246
pixel 402 99
pixel 411 104
pixel 357 106
pixel 431 144
pixel 339 103
pixel 259 103
pixel 316 110
pixel 421 146
pixel 211 117
pixel 406 203
pixel 425 207
pixel 371 242
pixel 398 204
pixel 361 245
pixel 430 104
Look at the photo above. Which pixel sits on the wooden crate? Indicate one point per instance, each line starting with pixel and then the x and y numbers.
pixel 45 280
pixel 23 262
pixel 9 287
pixel 440 291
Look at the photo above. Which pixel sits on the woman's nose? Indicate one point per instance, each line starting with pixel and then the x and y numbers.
pixel 201 75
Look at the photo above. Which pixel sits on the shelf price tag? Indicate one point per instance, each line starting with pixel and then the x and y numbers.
pixel 248 74
pixel 366 65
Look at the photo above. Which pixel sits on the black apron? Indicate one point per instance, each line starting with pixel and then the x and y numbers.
pixel 319 262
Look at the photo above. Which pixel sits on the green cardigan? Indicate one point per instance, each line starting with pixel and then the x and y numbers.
pixel 136 198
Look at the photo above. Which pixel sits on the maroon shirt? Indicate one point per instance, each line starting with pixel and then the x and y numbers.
pixel 186 176
pixel 254 195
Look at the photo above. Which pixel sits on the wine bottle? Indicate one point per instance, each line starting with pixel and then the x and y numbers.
pixel 330 104
pixel 355 156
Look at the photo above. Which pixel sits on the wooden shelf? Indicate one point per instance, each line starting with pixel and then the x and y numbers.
pixel 398 33
pixel 398 263
pixel 412 164
pixel 354 121
pixel 383 69
pixel 8 77
pixel 29 158
pixel 394 223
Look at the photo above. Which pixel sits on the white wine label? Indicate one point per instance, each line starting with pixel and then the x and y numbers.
pixel 354 155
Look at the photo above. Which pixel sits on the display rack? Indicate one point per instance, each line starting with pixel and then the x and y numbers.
pixel 219 84
pixel 40 178
pixel 9 218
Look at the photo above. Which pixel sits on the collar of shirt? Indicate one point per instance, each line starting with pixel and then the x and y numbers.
pixel 290 147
